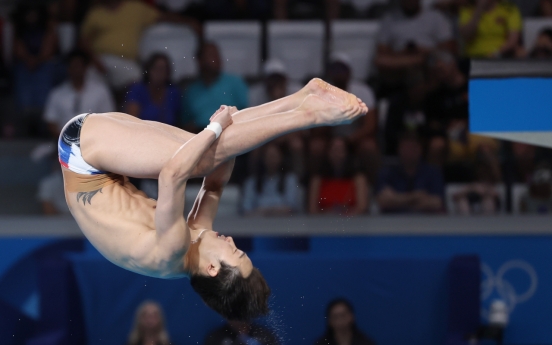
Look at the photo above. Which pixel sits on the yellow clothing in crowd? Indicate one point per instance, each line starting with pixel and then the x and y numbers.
pixel 118 31
pixel 459 151
pixel 493 29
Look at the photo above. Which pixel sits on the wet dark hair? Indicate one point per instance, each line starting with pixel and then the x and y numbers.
pixel 148 65
pixel 233 296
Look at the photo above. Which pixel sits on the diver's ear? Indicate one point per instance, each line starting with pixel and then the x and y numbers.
pixel 212 269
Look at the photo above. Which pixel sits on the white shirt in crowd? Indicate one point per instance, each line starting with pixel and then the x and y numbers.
pixel 365 93
pixel 427 29
pixel 50 189
pixel 64 102
pixel 270 196
pixel 258 95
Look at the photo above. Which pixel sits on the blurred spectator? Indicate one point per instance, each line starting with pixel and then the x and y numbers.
pixel 149 326
pixel 271 191
pixel 545 8
pixel 51 193
pixel 274 85
pixel 538 199
pixel 341 327
pixel 413 185
pixel 446 92
pixel 361 134
pixel 241 333
pixel 338 187
pixel 35 45
pixel 340 75
pixel 155 99
pixel 543 46
pixel 521 165
pixel 481 196
pixel 306 9
pixel 111 34
pixel 213 88
pixel 407 35
pixel 490 29
pixel 79 94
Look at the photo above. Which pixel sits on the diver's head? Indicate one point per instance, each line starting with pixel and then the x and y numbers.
pixel 225 278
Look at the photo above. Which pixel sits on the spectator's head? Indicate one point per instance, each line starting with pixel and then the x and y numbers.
pixel 157 70
pixel 272 159
pixel 523 151
pixel 437 149
pixel 540 186
pixel 338 153
pixel 210 64
pixel 545 8
pixel 149 323
pixel 225 278
pixel 340 318
pixel 543 45
pixel 77 64
pixel 275 79
pixel 410 7
pixel 410 149
pixel 27 18
pixel 339 70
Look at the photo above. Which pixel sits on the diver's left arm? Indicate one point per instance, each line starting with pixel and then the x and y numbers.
pixel 206 204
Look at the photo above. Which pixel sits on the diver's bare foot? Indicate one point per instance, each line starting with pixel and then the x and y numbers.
pixel 317 86
pixel 325 112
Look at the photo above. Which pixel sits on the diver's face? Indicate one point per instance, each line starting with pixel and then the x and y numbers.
pixel 214 248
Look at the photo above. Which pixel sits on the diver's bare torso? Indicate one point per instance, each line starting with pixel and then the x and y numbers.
pixel 119 220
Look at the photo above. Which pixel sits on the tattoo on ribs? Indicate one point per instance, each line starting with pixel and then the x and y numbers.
pixel 87 196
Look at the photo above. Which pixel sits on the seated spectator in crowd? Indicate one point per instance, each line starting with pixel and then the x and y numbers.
pixel 481 196
pixel 35 46
pixel 51 193
pixel 79 94
pixel 538 199
pixel 490 29
pixel 149 326
pixel 213 88
pixel 274 85
pixel 407 36
pixel 446 96
pixel 543 46
pixel 155 99
pixel 241 333
pixel 545 9
pixel 360 134
pixel 111 34
pixel 338 187
pixel 521 163
pixel 271 191
pixel 341 328
pixel 306 9
pixel 413 185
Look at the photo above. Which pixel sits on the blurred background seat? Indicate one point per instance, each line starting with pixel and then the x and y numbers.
pixel 531 29
pixel 299 45
pixel 179 42
pixel 358 40
pixel 239 44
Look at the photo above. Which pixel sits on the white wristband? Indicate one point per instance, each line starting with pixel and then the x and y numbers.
pixel 215 127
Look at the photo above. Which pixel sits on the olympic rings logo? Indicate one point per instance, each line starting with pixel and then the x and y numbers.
pixel 496 282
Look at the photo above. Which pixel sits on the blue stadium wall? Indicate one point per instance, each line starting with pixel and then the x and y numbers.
pixel 59 291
